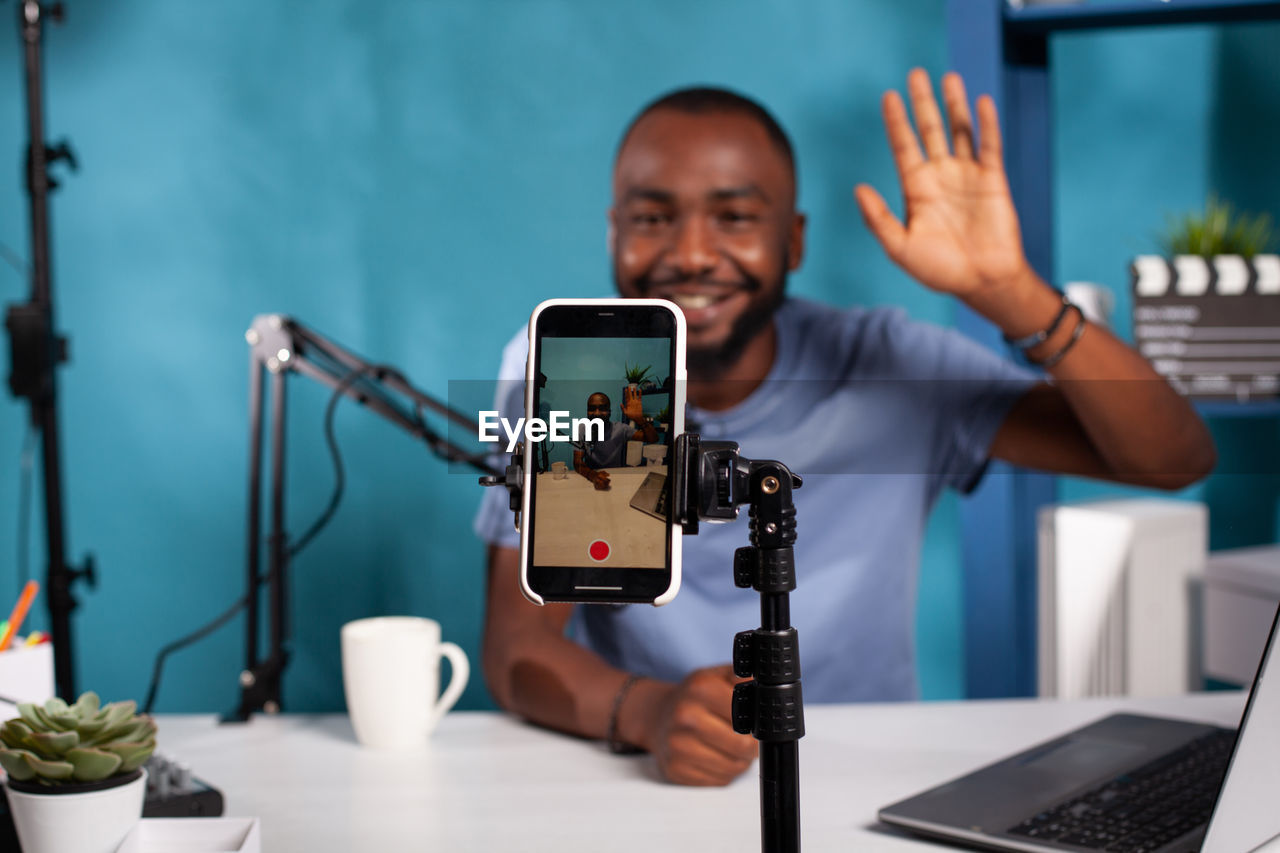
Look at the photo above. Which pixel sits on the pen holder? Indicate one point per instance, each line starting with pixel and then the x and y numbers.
pixel 26 675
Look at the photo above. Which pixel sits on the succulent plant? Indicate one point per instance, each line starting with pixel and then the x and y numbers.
pixel 57 743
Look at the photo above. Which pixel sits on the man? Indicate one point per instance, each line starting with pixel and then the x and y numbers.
pixel 611 452
pixel 877 412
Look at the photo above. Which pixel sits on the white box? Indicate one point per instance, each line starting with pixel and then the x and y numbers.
pixel 1115 600
pixel 194 835
pixel 1241 592
pixel 26 675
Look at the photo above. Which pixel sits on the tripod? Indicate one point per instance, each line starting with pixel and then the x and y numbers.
pixel 711 481
pixel 36 349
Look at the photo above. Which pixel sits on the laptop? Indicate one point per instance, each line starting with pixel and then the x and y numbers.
pixel 1127 783
pixel 651 497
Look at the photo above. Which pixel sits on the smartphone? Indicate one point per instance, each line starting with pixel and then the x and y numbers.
pixel 604 401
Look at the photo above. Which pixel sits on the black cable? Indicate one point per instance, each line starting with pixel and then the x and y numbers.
pixel 315 528
pixel 194 636
pixel 25 466
pixel 339 475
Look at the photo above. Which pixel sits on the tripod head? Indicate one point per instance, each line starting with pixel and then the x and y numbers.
pixel 712 481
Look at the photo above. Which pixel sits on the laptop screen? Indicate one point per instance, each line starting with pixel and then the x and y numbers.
pixel 1245 815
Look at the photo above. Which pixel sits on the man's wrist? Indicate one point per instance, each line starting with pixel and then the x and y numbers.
pixel 638 713
pixel 1019 307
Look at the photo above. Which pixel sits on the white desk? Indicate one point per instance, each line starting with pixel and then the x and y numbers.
pixel 490 783
pixel 573 513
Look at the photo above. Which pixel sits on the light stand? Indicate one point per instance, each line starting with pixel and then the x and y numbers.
pixel 36 350
pixel 279 345
pixel 711 481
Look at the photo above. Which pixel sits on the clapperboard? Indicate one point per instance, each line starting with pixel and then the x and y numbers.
pixel 1211 326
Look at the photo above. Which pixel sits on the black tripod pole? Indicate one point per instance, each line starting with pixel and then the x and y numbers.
pixel 37 350
pixel 710 481
pixel 770 706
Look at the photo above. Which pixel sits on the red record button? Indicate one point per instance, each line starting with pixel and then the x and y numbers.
pixel 599 550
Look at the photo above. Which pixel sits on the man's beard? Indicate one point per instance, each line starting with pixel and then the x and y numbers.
pixel 712 362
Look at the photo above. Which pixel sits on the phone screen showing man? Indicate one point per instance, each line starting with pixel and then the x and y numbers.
pixel 600 491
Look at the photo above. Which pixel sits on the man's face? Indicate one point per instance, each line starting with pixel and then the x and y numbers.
pixel 598 407
pixel 704 215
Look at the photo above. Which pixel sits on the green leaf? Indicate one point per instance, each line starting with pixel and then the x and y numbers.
pixel 33 716
pixel 133 731
pixel 88 703
pixel 15 763
pixel 1220 230
pixel 91 728
pixel 132 755
pixel 118 712
pixel 27 765
pixel 63 722
pixel 56 707
pixel 14 732
pixel 90 765
pixel 53 744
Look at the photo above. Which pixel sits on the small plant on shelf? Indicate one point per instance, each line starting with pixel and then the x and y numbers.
pixel 635 374
pixel 58 744
pixel 1219 230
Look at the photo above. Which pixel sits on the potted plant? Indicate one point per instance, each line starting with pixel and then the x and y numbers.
pixel 76 783
pixel 635 375
pixel 1198 307
pixel 663 419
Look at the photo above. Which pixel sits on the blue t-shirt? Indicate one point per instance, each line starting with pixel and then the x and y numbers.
pixel 612 451
pixel 878 414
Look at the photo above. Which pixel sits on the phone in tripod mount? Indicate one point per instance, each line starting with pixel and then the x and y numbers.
pixel 604 403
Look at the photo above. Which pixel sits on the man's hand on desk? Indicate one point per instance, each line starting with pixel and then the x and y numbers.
pixel 688 730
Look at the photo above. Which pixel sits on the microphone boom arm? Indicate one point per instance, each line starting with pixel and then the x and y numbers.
pixel 279 345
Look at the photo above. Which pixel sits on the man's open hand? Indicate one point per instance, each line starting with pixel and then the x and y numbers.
pixel 694 741
pixel 632 405
pixel 961 231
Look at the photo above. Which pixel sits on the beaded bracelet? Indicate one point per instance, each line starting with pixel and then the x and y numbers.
pixel 1043 335
pixel 617 746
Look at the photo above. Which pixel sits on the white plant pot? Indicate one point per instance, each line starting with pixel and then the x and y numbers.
pixel 82 822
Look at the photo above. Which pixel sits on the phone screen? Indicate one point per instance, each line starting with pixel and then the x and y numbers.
pixel 606 382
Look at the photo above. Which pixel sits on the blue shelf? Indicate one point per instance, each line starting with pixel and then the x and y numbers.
pixel 1225 409
pixel 1041 20
pixel 1005 52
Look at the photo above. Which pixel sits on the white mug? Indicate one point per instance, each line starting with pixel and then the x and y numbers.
pixel 1096 302
pixel 391 677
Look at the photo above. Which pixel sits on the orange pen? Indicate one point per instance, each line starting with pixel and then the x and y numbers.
pixel 19 613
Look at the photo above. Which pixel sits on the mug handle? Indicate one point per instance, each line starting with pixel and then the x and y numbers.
pixel 457 680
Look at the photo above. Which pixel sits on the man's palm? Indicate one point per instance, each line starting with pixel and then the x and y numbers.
pixel 961 231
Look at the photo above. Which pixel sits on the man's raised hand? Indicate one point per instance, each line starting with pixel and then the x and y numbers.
pixel 960 234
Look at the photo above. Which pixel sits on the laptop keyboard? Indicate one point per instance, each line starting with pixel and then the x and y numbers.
pixel 661 506
pixel 1144 809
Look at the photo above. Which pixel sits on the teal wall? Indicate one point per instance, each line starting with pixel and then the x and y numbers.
pixel 409 179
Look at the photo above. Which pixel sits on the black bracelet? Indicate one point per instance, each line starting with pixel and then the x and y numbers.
pixel 1044 334
pixel 616 746
pixel 1075 336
